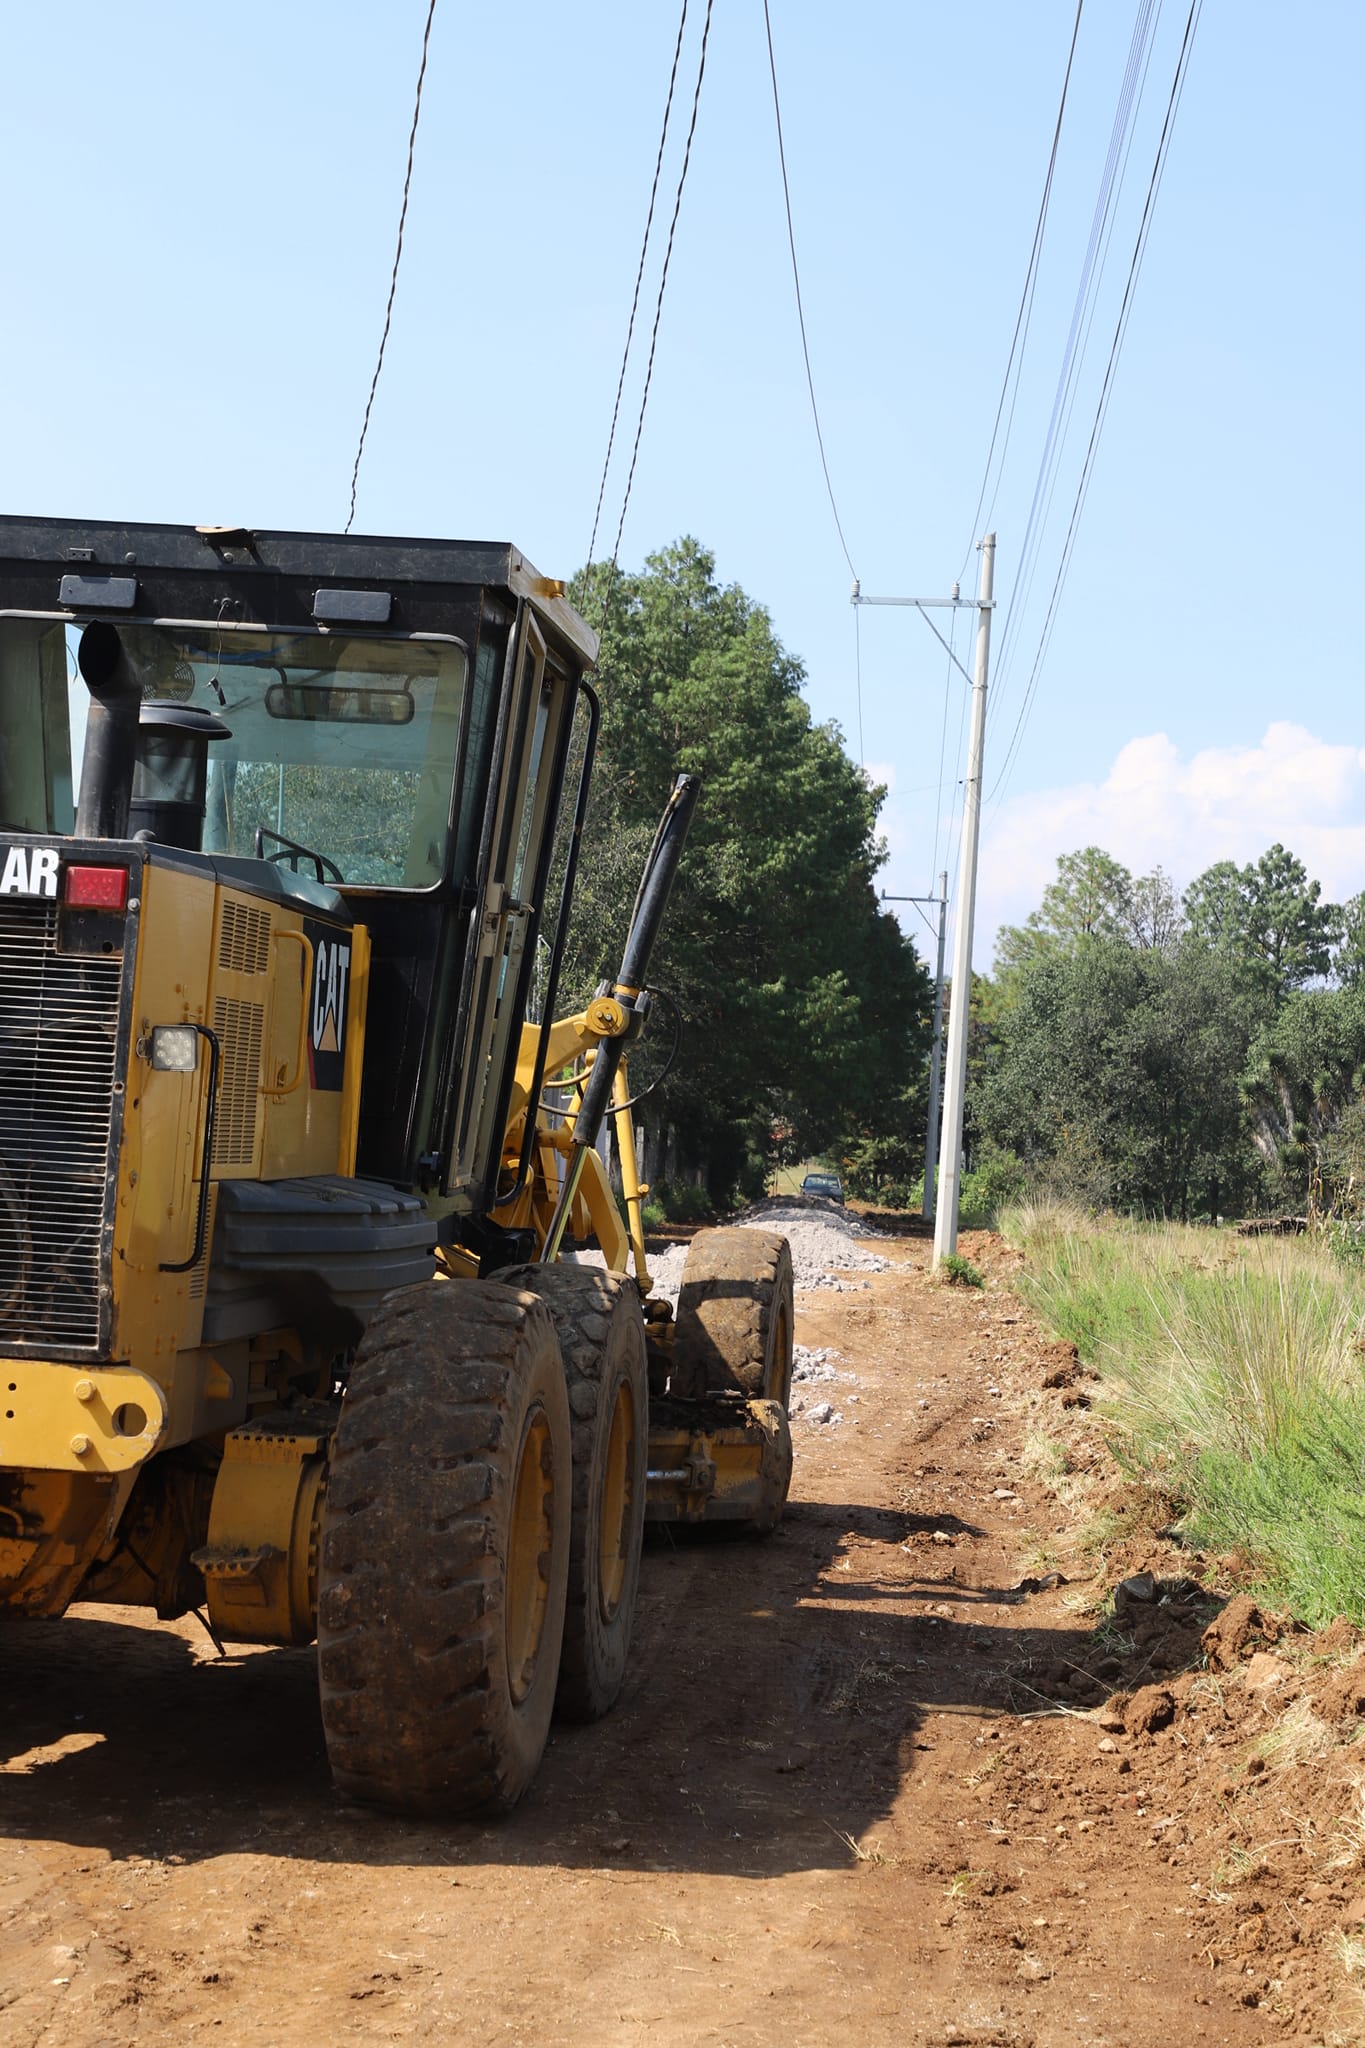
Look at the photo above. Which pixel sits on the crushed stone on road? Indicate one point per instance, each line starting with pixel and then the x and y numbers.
pixel 813 1365
pixel 821 1236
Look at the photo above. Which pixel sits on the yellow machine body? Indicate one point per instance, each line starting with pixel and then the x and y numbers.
pixel 244 967
pixel 194 1043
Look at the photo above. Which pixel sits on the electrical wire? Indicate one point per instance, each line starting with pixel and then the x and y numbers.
pixel 1139 50
pixel 943 740
pixel 959 774
pixel 1019 599
pixel 659 306
pixel 1102 407
pixel 796 280
pixel 397 259
pixel 639 276
pixel 1025 313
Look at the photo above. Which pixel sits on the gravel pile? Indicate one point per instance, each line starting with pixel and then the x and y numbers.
pixel 820 1235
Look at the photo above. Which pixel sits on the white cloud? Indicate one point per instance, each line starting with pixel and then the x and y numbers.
pixel 1155 808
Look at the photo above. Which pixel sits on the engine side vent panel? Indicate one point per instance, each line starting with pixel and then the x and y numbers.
pixel 239 1026
pixel 244 938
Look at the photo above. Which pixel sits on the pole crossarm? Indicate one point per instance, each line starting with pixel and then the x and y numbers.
pixel 917 900
pixel 942 604
pixel 924 605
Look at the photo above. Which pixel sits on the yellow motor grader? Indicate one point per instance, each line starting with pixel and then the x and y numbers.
pixel 291 1329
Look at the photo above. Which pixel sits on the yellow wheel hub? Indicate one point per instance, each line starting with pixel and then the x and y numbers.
pixel 617 1500
pixel 529 1543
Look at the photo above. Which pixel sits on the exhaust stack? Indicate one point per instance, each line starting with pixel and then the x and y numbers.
pixel 110 734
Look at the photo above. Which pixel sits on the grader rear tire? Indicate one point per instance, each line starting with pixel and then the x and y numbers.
pixel 774 1469
pixel 602 1338
pixel 736 1315
pixel 445 1551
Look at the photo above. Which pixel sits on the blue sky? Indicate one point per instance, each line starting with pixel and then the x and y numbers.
pixel 203 204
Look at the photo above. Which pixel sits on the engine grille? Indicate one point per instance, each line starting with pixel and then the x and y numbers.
pixel 58 1044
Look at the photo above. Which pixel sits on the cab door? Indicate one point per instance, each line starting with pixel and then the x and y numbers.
pixel 508 914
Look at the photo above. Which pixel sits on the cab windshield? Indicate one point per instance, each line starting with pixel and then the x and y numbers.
pixel 342 746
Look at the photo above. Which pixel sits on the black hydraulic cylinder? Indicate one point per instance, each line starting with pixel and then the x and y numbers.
pixel 656 886
pixel 110 734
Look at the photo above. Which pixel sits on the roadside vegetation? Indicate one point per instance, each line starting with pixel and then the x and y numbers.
pixel 1193 1056
pixel 1233 1376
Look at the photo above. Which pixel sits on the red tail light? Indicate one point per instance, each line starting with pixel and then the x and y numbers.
pixel 97 888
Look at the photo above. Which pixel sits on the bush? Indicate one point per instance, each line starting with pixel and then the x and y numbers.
pixel 997 1181
pixel 685 1203
pixel 891 1194
pixel 955 1271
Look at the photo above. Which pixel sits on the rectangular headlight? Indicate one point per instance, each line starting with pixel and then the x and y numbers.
pixel 175 1048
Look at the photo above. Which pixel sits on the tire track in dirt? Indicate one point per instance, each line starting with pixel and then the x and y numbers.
pixel 790 1831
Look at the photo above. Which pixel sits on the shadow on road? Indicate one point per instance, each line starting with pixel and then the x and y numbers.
pixel 775 1704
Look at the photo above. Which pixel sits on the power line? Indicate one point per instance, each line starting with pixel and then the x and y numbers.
pixel 796 280
pixel 943 741
pixel 639 275
pixel 1020 596
pixel 1025 312
pixel 397 259
pixel 1115 350
pixel 1091 270
pixel 955 828
pixel 659 303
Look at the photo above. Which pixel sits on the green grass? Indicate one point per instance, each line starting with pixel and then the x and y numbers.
pixel 957 1271
pixel 1232 1374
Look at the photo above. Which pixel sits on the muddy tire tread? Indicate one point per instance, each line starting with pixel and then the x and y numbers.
pixel 734 1285
pixel 410 1623
pixel 597 1317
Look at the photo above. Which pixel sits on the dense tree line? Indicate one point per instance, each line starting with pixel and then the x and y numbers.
pixel 805 1010
pixel 1184 1055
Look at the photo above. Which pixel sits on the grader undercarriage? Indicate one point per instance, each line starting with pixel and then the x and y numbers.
pixel 291 1328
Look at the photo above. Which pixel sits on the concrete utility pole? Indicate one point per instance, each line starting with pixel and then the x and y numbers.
pixel 936 1056
pixel 945 1222
pixel 935 1061
pixel 945 1225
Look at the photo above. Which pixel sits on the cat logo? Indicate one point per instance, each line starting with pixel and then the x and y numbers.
pixel 327 1004
pixel 29 871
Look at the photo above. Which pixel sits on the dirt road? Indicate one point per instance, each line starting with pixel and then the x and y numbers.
pixel 830 1808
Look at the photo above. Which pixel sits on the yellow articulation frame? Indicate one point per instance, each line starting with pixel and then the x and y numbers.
pixel 570 1046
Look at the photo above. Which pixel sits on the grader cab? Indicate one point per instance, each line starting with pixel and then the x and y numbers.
pixel 295 1154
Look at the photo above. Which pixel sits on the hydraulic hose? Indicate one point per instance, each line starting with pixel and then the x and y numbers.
pixel 651 903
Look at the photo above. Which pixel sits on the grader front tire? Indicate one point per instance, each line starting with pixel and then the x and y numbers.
pixel 445 1552
pixel 774 1468
pixel 736 1315
pixel 602 1338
